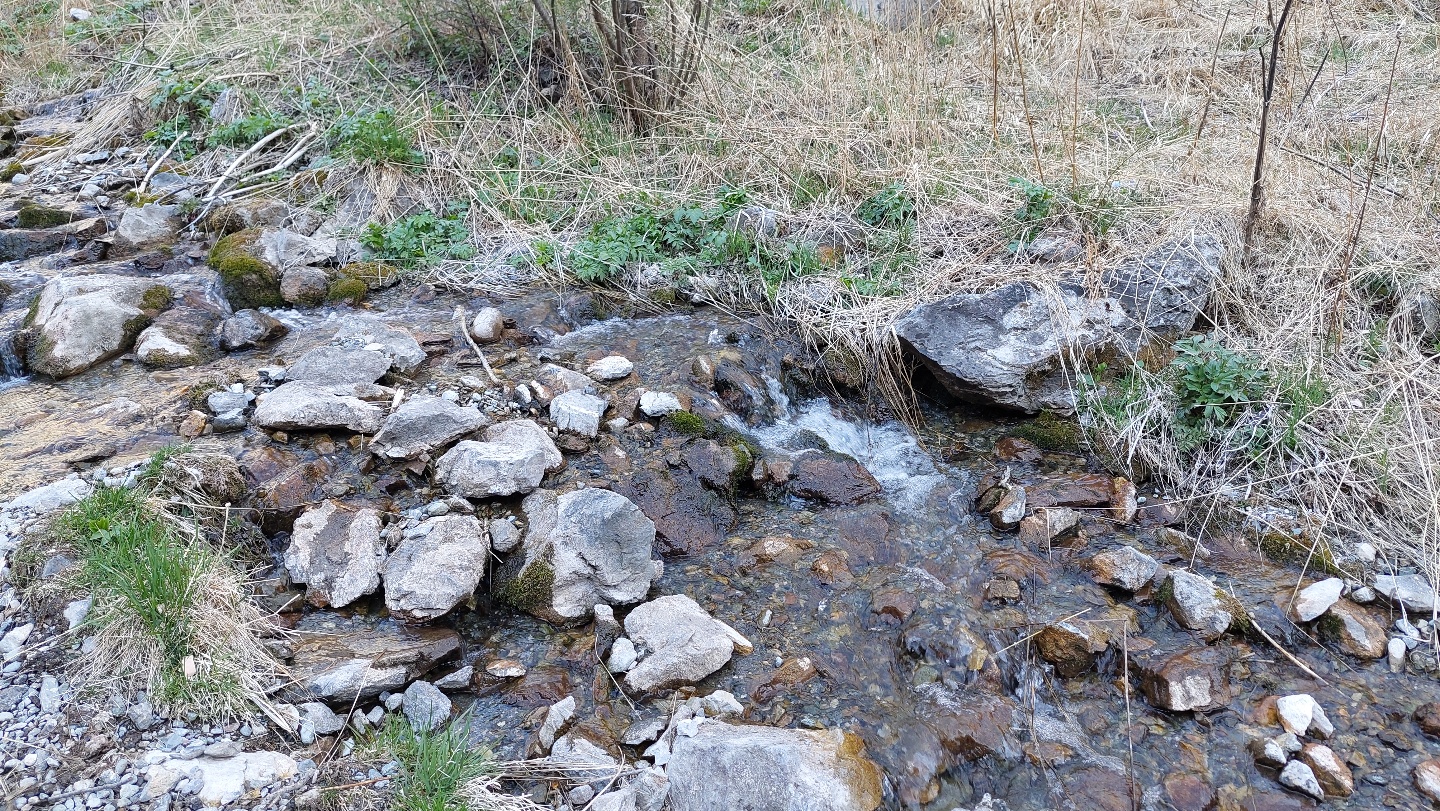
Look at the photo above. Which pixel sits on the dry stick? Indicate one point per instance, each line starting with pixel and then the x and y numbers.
pixel 1293 660
pixel 139 190
pixel 1257 180
pixel 1336 319
pixel 464 318
pixel 1024 94
pixel 1209 97
pixel 994 76
pixel 1075 102
pixel 244 156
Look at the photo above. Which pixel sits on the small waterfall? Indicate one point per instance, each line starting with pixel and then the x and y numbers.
pixel 12 371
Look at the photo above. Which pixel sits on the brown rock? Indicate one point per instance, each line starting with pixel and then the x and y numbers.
pixel 1427 715
pixel 540 686
pixel 976 727
pixel 1047 524
pixel 831 568
pixel 1071 647
pixel 1194 679
pixel 1002 589
pixel 1188 791
pixel 1123 503
pixel 283 497
pixel 1009 509
pixel 781 548
pixel 1097 789
pixel 1427 778
pixel 193 425
pixel 1333 774
pixel 505 668
pixel 370 659
pixel 791 674
pixel 1015 449
pixel 894 602
pixel 832 478
pixel 718 466
pixel 689 517
pixel 1354 629
pixel 1070 490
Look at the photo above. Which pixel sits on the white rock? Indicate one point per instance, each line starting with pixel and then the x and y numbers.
pixel 226 780
pixel 149 223
pixel 425 707
pixel 80 14
pixel 487 325
pixel 622 656
pixel 659 403
pixel 613 367
pixel 338 552
pixel 556 718
pixel 12 642
pixel 76 611
pixel 49 694
pixel 303 405
pixel 1410 590
pixel 1316 598
pixel 1298 776
pixel 1195 606
pixel 578 412
pixel 1366 552
pixel 1395 650
pixel 51 497
pixel 1301 714
pixel 684 643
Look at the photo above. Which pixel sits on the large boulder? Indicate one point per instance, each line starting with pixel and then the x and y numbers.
pixel 182 336
pixel 79 321
pixel 1014 347
pixel 436 567
pixel 27 243
pixel 585 547
pixel 336 667
pixel 303 405
pixel 513 457
pixel 332 365
pixel 337 552
pixel 150 224
pixel 679 641
pixel 422 424
pixel 1193 679
pixel 395 343
pixel 287 249
pixel 249 279
pixel 1164 291
pixel 723 767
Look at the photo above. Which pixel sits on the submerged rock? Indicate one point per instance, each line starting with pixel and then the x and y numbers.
pixel 724 767
pixel 337 552
pixel 1193 601
pixel 585 547
pixel 303 405
pixel 249 328
pixel 1354 629
pixel 682 643
pixel 433 571
pixel 1071 647
pixel 513 458
pixel 422 424
pixel 831 477
pixel 1194 679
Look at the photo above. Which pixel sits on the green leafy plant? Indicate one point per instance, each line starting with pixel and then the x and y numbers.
pixel 375 137
pixel 891 207
pixel 1213 382
pixel 1037 205
pixel 420 240
pixel 247 130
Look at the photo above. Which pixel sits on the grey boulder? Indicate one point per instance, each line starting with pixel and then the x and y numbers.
pixel 249 328
pixel 338 365
pixel 680 642
pixel 1195 604
pixel 513 457
pixel 395 343
pixel 80 321
pixel 147 225
pixel 425 707
pixel 303 405
pixel 422 424
pixel 337 552
pixel 437 568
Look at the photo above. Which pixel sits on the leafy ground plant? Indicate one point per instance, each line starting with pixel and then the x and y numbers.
pixel 376 137
pixel 421 240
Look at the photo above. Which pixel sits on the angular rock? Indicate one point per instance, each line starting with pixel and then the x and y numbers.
pixel 1427 715
pixel 1164 290
pixel 724 767
pixel 80 321
pixel 1193 601
pixel 487 326
pixel 1071 647
pixel 424 423
pixel 50 497
pixel 689 517
pixel 26 243
pixel 249 328
pixel 503 535
pixel 1011 347
pixel 1316 598
pixel 339 366
pixel 1410 590
pixel 148 225
pixel 622 656
pixel 335 667
pixel 425 707
pixel 395 343
pixel 1126 568
pixel 1123 500
pixel 831 477
pixel 304 286
pixel 585 547
pixel 337 552
pixel 178 337
pixel 556 719
pixel 682 643
pixel 1269 753
pixel 226 780
pixel 659 403
pixel 321 719
pixel 1427 778
pixel 1330 771
pixel 578 412
pixel 513 458
pixel 1301 714
pixel 1354 629
pixel 249 280
pixel 611 367
pixel 286 249
pixel 1047 524
pixel 1194 679
pixel 432 572
pixel 1300 777
pixel 303 405
pixel 1009 508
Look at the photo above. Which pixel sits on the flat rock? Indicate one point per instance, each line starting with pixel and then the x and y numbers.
pixel 683 643
pixel 227 780
pixel 584 547
pixel 50 497
pixel 724 767
pixel 831 477
pixel 1126 568
pixel 1194 679
pixel 1316 598
pixel 395 343
pixel 1354 629
pixel 338 365
pixel 302 405
pixel 432 572
pixel 512 458
pixel 578 412
pixel 611 367
pixel 337 552
pixel 1193 601
pixel 249 328
pixel 424 423
pixel 80 321
pixel 1410 590
pixel 322 719
pixel 334 667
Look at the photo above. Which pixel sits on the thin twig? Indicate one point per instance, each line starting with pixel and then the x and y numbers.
pixel 464 319
pixel 1293 660
pixel 139 190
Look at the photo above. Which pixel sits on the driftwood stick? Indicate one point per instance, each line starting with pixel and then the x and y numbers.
pixel 464 319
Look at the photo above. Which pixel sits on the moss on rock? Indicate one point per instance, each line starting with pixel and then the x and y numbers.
pixel 10 170
pixel 532 588
pixel 156 299
pixel 348 290
pixel 1051 432
pixel 374 275
pixel 686 423
pixel 249 281
pixel 38 216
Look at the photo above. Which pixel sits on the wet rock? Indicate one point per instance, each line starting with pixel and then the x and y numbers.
pixel 1126 568
pixel 457 680
pixel 337 552
pixel 339 366
pixel 422 424
pixel 607 628
pixel 557 718
pixel 1427 715
pixel 682 644
pixel 832 478
pixel 513 458
pixel 1123 500
pixel 1427 778
pixel 505 669
pixel 304 286
pixel 1194 679
pixel 395 343
pixel 80 321
pixel 659 403
pixel 249 328
pixel 1269 753
pixel 1010 347
pixel 1410 590
pixel 784 769
pixel 1300 777
pixel 1330 772
pixel 1354 630
pixel 226 780
pixel 1070 490
pixel 611 367
pixel 945 646
pixel 303 405
pixel 487 326
pixel 973 726
pixel 578 412
pixel 335 667
pixel 1316 598
pixel 147 225
pixel 895 603
pixel 582 548
pixel 249 280
pixel 1071 647
pixel 425 707
pixel 791 673
pixel 1301 714
pixel 689 517
pixel 720 467
pixel 1047 524
pixel 1193 601
pixel 1009 510
pixel 431 572
pixel 176 338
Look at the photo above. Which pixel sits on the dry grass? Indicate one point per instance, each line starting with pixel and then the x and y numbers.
pixel 1148 103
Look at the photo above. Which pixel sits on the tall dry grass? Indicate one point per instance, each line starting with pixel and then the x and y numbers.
pixel 811 109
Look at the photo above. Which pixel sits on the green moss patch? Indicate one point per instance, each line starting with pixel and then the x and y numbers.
pixel 686 423
pixel 38 216
pixel 157 299
pixel 10 170
pixel 347 290
pixel 249 281
pixel 532 588
pixel 1051 432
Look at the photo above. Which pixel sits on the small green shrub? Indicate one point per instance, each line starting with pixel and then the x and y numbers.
pixel 421 239
pixel 375 137
pixel 246 131
pixel 1212 382
pixel 434 766
pixel 891 207
pixel 156 299
pixel 1037 206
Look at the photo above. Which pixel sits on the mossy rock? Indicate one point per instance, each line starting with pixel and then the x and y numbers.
pixel 374 275
pixel 249 281
pixel 1051 432
pixel 10 170
pixel 348 290
pixel 157 299
pixel 139 199
pixel 38 216
pixel 532 588
pixel 686 423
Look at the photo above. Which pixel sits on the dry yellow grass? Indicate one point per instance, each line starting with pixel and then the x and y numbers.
pixel 811 109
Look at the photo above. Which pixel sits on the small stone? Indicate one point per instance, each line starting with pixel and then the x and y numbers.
pixel 622 656
pixel 1366 552
pixel 426 707
pixel 1195 605
pixel 76 611
pixel 1010 509
pixel 1316 598
pixel 1427 778
pixel 223 749
pixel 1296 775
pixel 659 403
pixel 1363 595
pixel 614 367
pixel 578 412
pixel 459 680
pixel 49 694
pixel 1332 774
pixel 1303 715
pixel 487 326
pixel 1395 650
pixel 1127 568
pixel 1268 752
pixel 505 669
